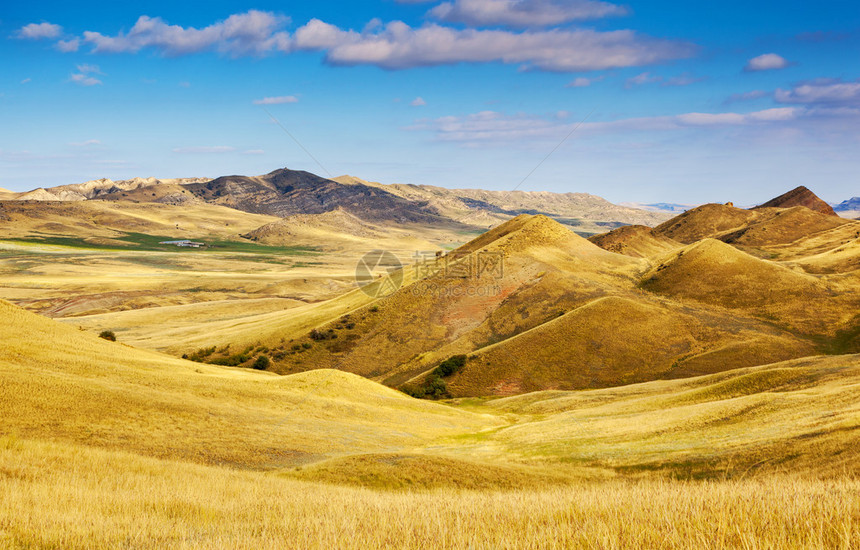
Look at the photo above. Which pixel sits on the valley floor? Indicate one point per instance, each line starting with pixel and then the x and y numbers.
pixel 65 496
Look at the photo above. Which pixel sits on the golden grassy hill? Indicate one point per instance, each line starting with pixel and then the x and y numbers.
pixel 715 273
pixel 780 227
pixel 565 314
pixel 616 340
pixel 705 221
pixel 105 219
pixel 799 415
pixel 845 258
pixel 338 230
pixel 543 267
pixel 638 241
pixel 64 385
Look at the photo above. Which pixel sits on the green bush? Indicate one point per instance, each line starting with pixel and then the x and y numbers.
pixel 262 363
pixel 452 365
pixel 200 355
pixel 108 335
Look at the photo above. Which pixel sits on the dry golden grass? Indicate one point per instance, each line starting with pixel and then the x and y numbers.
pixel 65 385
pixel 103 445
pixel 638 241
pixel 715 273
pixel 57 496
pixel 800 415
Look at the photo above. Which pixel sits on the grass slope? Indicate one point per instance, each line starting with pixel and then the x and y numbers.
pixel 712 272
pixel 65 385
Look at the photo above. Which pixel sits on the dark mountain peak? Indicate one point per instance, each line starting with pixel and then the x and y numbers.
pixel 800 196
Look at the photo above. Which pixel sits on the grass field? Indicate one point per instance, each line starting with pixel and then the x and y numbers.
pixel 63 496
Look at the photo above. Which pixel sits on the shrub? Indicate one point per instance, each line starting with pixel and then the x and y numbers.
pixel 307 345
pixel 200 355
pixel 452 365
pixel 108 335
pixel 262 363
pixel 231 361
pixel 436 388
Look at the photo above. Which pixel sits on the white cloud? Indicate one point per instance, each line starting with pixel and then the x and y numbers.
pixel 87 68
pixel 523 13
pixel 766 62
pixel 492 126
pixel 583 82
pixel 84 75
pixel 68 46
pixel 254 152
pixel 399 46
pixel 418 102
pixel 251 33
pixel 26 80
pixel 276 100
pixel 205 149
pixel 640 79
pixel 87 143
pixel 39 31
pixel 822 93
pixel 84 80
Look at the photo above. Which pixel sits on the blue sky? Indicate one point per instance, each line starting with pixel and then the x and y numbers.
pixel 637 101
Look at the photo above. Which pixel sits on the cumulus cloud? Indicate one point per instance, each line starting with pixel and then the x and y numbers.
pixel 418 102
pixel 523 13
pixel 276 100
pixel 251 33
pixel 68 46
pixel 492 126
pixel 39 31
pixel 399 46
pixel 766 62
pixel 822 93
pixel 205 149
pixel 84 75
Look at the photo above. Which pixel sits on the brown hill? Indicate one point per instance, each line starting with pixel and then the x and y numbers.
pixel 779 227
pixel 638 241
pixel 289 192
pixel 800 196
pixel 338 230
pixel 616 340
pixel 708 220
pixel 558 303
pixel 302 226
pixel 587 214
pixel 713 272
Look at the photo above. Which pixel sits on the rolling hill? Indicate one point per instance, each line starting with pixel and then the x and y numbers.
pixel 634 240
pixel 800 196
pixel 68 386
pixel 561 313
